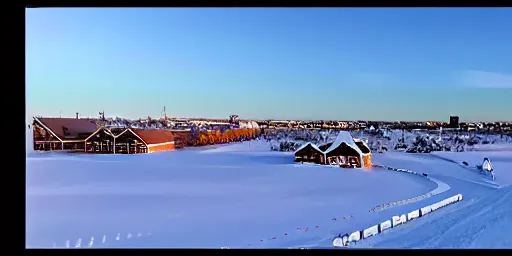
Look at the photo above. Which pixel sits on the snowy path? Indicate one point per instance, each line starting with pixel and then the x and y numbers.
pixel 458 179
pixel 452 227
pixel 441 188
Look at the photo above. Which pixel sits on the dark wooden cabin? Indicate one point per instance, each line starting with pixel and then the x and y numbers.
pixel 324 147
pixel 345 156
pixel 309 153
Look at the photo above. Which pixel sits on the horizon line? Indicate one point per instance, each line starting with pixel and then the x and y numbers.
pixel 273 119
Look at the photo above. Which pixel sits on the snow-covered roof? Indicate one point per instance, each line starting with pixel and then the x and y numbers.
pixel 255 125
pixel 305 145
pixel 362 142
pixel 343 136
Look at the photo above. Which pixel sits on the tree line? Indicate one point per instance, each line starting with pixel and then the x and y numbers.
pixel 203 138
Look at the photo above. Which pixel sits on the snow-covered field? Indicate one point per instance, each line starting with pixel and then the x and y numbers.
pixel 193 199
pixel 242 195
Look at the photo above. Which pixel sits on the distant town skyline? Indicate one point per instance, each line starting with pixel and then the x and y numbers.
pixel 30 118
pixel 381 64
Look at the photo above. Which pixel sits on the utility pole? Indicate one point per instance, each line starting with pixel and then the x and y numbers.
pixel 165 113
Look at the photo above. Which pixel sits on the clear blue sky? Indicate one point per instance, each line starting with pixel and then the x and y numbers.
pixel 296 63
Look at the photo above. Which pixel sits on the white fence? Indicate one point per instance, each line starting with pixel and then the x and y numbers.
pixel 354 237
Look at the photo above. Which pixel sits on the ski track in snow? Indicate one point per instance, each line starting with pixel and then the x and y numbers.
pixel 441 188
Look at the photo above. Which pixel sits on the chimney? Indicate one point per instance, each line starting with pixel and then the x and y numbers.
pixel 76 115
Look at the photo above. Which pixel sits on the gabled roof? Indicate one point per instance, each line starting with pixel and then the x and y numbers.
pixel 100 129
pixel 68 128
pixel 325 146
pixel 362 146
pixel 344 137
pixel 307 144
pixel 154 136
pixel 116 130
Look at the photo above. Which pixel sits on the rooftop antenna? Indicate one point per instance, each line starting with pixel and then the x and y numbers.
pixel 165 113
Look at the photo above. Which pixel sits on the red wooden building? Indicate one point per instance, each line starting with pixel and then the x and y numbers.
pixel 85 136
pixel 129 141
pixel 61 133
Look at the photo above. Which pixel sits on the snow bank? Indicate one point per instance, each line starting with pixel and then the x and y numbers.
pixel 395 221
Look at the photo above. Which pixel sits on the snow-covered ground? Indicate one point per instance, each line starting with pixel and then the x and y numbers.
pixel 493 147
pixel 242 195
pixel 478 224
pixel 501 162
pixel 481 220
pixel 229 197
